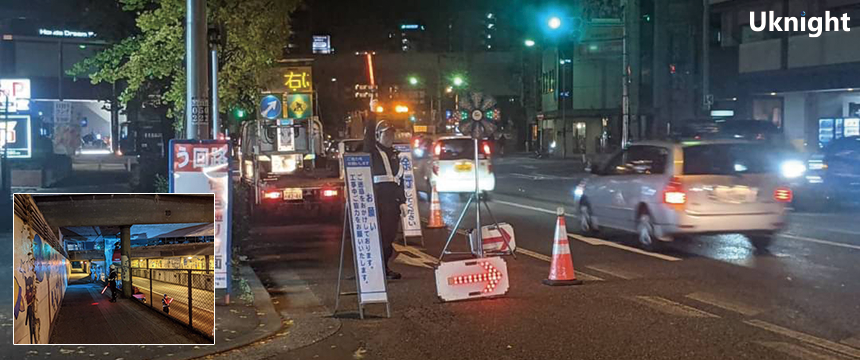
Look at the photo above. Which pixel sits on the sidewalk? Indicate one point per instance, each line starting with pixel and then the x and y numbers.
pixel 237 325
pixel 87 317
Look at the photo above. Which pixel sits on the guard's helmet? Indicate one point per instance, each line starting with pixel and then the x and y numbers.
pixel 382 127
pixel 113 267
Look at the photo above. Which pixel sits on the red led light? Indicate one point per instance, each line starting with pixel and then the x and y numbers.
pixel 492 276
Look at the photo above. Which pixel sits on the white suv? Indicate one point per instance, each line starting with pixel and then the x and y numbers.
pixel 662 190
pixel 451 166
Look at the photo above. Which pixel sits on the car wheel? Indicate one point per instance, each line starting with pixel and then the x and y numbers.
pixel 586 223
pixel 645 233
pixel 761 242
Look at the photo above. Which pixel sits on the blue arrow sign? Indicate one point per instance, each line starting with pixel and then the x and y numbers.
pixel 270 107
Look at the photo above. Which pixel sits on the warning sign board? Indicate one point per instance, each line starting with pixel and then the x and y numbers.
pixel 470 279
pixel 299 106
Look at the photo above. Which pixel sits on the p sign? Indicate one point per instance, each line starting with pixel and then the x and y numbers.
pixel 470 279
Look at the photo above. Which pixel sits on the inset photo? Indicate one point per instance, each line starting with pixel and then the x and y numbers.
pixel 132 269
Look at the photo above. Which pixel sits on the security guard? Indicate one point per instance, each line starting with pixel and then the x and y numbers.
pixel 387 175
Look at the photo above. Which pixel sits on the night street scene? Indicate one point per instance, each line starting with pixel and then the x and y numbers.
pixel 388 179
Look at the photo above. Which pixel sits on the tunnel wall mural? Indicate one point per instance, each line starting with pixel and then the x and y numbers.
pixel 41 275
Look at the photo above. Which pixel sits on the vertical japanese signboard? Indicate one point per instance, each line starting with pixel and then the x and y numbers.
pixel 411 219
pixel 203 167
pixel 367 250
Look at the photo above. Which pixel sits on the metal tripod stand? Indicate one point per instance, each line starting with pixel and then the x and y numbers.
pixel 476 245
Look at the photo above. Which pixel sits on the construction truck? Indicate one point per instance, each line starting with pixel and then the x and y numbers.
pixel 285 171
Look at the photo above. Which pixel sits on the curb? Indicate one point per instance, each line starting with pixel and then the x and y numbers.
pixel 262 303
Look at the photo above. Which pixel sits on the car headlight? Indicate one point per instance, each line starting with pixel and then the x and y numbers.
pixel 792 169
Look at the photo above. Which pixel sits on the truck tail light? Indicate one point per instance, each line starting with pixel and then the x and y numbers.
pixel 272 194
pixel 486 148
pixel 782 194
pixel 329 193
pixel 673 193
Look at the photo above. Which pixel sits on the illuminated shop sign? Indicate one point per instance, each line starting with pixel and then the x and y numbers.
pixel 66 33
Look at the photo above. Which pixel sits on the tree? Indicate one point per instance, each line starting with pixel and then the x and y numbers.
pixel 151 62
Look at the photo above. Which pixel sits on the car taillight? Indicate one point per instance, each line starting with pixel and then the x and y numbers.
pixel 435 168
pixel 272 194
pixel 329 193
pixel 782 194
pixel 486 148
pixel 416 143
pixel 674 193
pixel 437 149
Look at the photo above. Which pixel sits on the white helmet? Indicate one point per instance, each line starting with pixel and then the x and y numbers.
pixel 113 267
pixel 381 127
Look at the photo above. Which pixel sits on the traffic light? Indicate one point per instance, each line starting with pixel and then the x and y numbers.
pixel 240 114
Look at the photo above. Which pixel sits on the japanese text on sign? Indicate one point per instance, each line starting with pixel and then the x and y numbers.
pixel 298 79
pixel 202 167
pixel 411 218
pixel 370 271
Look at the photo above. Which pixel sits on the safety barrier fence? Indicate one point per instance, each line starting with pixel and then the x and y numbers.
pixel 189 293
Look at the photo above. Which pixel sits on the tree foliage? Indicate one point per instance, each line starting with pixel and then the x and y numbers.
pixel 151 62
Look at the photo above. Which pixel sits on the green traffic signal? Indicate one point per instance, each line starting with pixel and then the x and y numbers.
pixel 239 113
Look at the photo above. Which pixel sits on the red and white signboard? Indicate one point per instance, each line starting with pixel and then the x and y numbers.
pixel 494 238
pixel 202 167
pixel 470 279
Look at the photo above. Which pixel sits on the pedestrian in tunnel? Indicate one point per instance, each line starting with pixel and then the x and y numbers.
pixel 387 185
pixel 165 304
pixel 112 283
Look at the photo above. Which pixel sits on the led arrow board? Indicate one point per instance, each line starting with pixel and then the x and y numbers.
pixel 470 279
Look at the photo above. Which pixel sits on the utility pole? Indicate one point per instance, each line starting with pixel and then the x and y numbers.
pixel 215 128
pixel 706 63
pixel 197 81
pixel 625 83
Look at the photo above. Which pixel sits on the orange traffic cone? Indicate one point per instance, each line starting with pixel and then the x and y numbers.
pixel 561 270
pixel 435 211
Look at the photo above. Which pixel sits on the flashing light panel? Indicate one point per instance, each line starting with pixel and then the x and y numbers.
pixel 783 194
pixel 473 278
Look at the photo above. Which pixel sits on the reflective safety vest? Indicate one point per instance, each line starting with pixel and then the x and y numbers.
pixel 389 174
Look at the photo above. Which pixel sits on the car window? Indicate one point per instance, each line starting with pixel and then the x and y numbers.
pixel 457 149
pixel 730 159
pixel 646 160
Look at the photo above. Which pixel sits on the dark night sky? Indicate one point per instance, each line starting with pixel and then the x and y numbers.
pixel 360 25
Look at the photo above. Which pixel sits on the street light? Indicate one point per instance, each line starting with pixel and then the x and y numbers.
pixel 458 81
pixel 554 22
pixel 413 80
pixel 530 42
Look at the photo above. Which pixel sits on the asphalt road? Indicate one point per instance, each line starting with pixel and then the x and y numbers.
pixel 704 298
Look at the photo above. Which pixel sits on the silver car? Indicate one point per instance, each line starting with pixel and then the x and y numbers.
pixel 664 190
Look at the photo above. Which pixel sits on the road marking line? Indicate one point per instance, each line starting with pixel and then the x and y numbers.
pixel 672 308
pixel 721 303
pixel 579 274
pixel 600 242
pixel 853 341
pixel 822 343
pixel 796 351
pixel 525 207
pixel 614 272
pixel 825 242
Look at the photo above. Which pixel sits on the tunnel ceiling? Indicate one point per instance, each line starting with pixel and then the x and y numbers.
pixel 91 215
